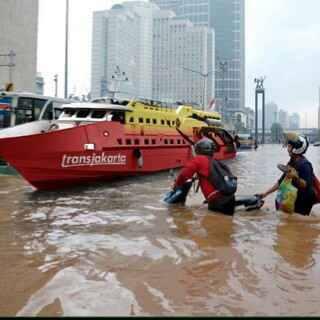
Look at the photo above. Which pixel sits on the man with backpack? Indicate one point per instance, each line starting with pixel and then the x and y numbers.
pixel 217 183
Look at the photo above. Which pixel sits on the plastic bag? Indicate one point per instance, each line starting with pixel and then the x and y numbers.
pixel 286 196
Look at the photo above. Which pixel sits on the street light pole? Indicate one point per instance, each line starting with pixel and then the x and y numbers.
pixel 118 77
pixel 205 79
pixel 66 52
pixel 55 79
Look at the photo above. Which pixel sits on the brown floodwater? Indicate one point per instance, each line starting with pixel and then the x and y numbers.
pixel 116 249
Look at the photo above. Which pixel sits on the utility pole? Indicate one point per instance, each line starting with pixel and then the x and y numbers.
pixel 66 52
pixel 55 79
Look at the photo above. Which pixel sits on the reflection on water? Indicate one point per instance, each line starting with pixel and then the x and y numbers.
pixel 116 249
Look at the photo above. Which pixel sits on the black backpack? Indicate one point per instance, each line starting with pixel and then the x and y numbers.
pixel 222 178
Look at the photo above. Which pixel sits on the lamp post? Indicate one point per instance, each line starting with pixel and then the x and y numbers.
pixel 205 79
pixel 55 79
pixel 118 76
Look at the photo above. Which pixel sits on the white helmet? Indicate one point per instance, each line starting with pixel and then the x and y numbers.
pixel 299 143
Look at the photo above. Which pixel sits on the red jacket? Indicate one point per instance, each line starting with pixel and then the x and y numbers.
pixel 199 165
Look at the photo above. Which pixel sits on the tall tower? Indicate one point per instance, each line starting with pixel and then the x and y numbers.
pixel 227 19
pixel 19 34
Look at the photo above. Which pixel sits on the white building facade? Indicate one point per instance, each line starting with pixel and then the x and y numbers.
pixel 162 57
pixel 122 38
pixel 19 34
pixel 227 19
pixel 181 64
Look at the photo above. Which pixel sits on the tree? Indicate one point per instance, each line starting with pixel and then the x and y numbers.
pixel 276 132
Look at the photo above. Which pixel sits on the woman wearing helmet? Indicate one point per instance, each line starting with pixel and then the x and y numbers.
pixel 300 170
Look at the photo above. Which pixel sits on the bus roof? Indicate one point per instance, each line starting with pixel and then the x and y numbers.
pixel 32 95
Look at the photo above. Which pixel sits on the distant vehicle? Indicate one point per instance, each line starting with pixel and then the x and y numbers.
pixel 316 144
pixel 21 107
pixel 246 141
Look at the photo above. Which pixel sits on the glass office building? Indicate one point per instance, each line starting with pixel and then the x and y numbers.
pixel 227 18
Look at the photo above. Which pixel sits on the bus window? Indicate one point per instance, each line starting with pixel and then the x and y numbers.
pixel 38 105
pixel 48 114
pixel 28 109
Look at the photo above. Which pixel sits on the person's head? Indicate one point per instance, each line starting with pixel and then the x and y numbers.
pixel 204 147
pixel 297 145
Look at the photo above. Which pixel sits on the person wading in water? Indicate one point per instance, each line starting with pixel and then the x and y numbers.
pixel 300 170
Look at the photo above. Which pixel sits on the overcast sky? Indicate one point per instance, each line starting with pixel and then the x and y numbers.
pixel 282 43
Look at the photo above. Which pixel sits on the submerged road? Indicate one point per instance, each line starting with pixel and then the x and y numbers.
pixel 116 249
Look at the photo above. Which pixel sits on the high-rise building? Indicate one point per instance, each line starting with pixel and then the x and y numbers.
pixel 122 40
pixel 271 114
pixel 294 121
pixel 181 65
pixel 227 18
pixel 283 119
pixel 156 52
pixel 19 34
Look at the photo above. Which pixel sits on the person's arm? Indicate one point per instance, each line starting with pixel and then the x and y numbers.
pixel 186 173
pixel 297 181
pixel 304 178
pixel 271 190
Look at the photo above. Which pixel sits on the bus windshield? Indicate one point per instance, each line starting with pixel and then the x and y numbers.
pixel 29 109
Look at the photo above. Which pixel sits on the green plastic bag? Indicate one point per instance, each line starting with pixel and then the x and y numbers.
pixel 286 196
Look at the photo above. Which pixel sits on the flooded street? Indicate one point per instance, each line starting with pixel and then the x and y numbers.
pixel 116 249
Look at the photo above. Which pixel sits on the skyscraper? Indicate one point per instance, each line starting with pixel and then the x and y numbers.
pixel 122 37
pixel 271 115
pixel 181 64
pixel 155 50
pixel 19 33
pixel 226 17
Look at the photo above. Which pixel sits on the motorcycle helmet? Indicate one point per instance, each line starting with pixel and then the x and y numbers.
pixel 204 147
pixel 299 143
